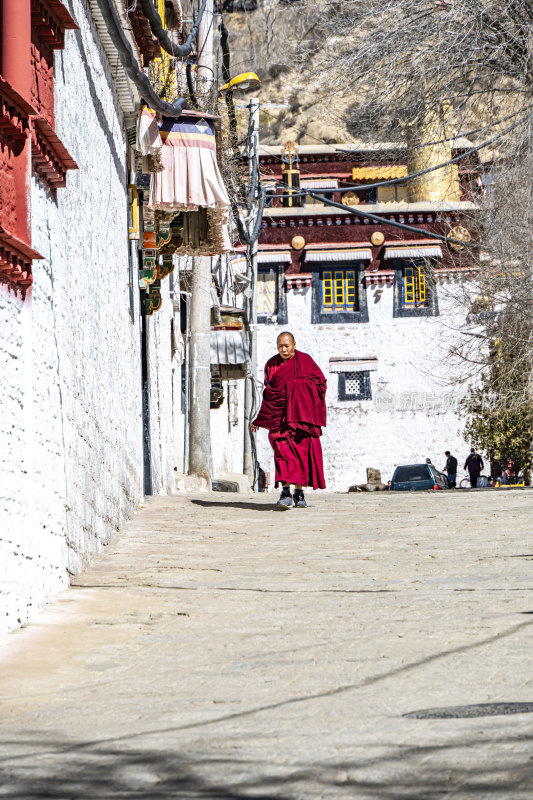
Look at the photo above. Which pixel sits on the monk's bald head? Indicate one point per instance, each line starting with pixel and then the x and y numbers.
pixel 287 333
pixel 286 345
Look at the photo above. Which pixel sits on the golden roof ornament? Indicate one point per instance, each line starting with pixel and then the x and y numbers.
pixel 350 199
pixel 460 233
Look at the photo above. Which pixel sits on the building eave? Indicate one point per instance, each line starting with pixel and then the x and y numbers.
pixel 128 95
pixel 375 208
pixel 351 148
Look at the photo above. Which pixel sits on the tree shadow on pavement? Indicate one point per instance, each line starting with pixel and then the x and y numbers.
pixel 471 765
pixel 236 504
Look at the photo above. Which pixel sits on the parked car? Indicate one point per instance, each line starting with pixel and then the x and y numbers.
pixel 417 477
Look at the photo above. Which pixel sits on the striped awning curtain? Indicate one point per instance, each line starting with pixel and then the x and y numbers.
pixel 421 251
pixel 228 347
pixel 369 363
pixel 274 258
pixel 319 183
pixel 352 254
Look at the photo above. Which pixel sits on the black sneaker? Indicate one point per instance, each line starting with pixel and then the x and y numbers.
pixel 285 500
pixel 299 499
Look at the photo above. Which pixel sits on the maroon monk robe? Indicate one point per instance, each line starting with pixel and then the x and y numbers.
pixel 294 411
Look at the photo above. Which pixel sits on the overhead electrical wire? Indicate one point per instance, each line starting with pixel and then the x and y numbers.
pixel 383 221
pixel 161 34
pixel 131 65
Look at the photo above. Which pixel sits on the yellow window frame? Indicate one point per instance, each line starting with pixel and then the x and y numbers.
pixel 409 287
pixel 421 284
pixel 414 286
pixel 339 288
pixel 327 289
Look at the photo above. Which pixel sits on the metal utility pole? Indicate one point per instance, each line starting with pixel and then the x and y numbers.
pixel 251 261
pixel 204 70
pixel 200 361
pixel 200 370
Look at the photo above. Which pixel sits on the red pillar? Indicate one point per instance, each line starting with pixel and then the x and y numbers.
pixel 16 68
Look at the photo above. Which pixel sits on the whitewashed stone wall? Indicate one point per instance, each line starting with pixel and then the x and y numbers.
pixel 227 430
pixel 411 415
pixel 166 426
pixel 70 428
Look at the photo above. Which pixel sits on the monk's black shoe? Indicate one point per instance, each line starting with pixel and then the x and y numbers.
pixel 285 500
pixel 299 499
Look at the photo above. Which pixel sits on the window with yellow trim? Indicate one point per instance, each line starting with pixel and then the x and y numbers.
pixel 414 286
pixel 339 290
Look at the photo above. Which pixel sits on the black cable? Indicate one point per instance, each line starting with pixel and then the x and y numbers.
pixel 228 95
pixel 246 237
pixel 383 221
pixel 190 87
pixel 131 65
pixel 224 44
pixel 156 26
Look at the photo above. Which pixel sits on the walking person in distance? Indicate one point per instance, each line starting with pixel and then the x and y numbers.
pixel 474 465
pixel 294 411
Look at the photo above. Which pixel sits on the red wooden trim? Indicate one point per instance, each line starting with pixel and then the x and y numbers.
pixel 299 280
pixel 379 277
pixel 15 260
pixel 14 117
pixel 147 44
pixel 50 19
pixel 50 157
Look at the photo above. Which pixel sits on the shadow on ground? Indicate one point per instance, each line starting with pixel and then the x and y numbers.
pixel 236 504
pixel 103 771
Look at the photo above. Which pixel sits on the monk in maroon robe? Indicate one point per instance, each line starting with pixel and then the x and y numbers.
pixel 294 411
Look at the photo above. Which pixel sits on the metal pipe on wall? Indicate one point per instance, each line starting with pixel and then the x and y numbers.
pixel 251 257
pixel 199 428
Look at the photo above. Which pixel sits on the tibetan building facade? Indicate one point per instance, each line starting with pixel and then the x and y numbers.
pixel 375 305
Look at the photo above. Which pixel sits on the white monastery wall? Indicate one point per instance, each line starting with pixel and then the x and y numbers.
pixel 227 430
pixel 166 428
pixel 413 411
pixel 72 355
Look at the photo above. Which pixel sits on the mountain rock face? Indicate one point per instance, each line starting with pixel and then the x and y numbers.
pixel 282 43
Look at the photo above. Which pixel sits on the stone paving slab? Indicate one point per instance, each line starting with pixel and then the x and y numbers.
pixel 219 649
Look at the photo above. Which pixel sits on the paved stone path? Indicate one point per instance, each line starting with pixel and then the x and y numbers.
pixel 221 650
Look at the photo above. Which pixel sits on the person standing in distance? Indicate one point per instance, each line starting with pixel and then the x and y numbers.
pixel 294 412
pixel 474 464
pixel 451 469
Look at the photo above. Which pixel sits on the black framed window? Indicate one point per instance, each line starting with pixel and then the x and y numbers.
pixel 339 293
pixel 355 385
pixel 271 295
pixel 328 194
pixel 415 294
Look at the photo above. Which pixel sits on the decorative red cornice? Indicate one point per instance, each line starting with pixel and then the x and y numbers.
pixel 147 44
pixel 15 260
pixel 50 157
pixel 14 113
pixel 379 277
pixel 50 19
pixel 298 281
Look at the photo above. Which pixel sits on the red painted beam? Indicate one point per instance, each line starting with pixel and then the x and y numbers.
pixel 15 25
